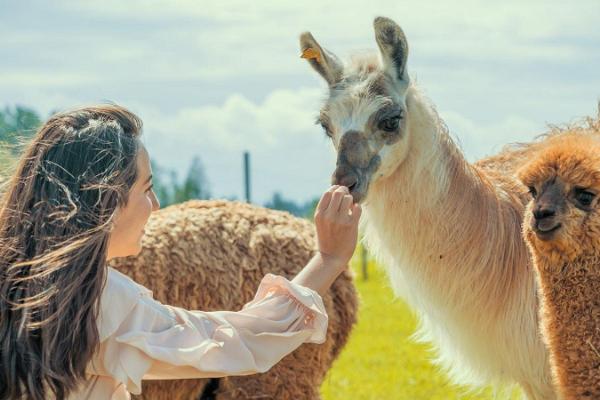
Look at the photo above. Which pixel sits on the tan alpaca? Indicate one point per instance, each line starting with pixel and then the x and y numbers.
pixel 211 255
pixel 562 229
pixel 447 231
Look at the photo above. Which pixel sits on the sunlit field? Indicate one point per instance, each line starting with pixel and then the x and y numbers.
pixel 381 361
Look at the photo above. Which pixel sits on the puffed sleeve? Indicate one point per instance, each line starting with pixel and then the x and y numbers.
pixel 141 338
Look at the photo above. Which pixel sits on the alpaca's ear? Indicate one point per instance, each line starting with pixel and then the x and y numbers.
pixel 393 46
pixel 323 61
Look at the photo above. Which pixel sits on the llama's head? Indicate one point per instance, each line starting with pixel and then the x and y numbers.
pixel 365 114
pixel 563 216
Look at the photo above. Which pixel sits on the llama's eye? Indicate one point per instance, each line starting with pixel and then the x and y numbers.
pixel 390 124
pixel 584 197
pixel 532 191
pixel 326 128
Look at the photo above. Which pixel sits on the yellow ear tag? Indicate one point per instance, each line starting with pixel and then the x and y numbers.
pixel 311 53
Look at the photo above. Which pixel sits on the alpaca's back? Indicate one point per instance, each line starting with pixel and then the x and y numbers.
pixel 514 156
pixel 501 168
pixel 211 255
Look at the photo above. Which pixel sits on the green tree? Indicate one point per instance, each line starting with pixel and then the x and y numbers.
pixel 169 190
pixel 195 185
pixel 278 202
pixel 305 210
pixel 18 124
pixel 162 182
pixel 17 127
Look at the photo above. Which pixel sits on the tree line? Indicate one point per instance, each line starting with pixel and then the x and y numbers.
pixel 18 125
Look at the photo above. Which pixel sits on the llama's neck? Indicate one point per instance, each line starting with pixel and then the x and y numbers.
pixel 441 226
pixel 570 319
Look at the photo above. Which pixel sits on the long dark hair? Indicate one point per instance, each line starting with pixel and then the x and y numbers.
pixel 55 220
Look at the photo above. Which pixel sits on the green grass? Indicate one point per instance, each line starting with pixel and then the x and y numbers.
pixel 380 361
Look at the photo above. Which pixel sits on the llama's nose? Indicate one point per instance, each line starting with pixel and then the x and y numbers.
pixel 544 212
pixel 344 176
pixel 349 181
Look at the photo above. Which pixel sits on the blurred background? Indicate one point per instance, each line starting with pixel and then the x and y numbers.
pixel 215 79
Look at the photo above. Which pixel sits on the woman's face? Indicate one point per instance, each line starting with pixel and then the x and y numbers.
pixel 128 229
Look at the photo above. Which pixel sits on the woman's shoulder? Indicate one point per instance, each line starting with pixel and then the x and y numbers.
pixel 119 297
pixel 121 284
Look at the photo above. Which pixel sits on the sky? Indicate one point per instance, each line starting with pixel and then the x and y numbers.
pixel 216 78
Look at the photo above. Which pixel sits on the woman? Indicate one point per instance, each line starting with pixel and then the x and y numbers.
pixel 70 327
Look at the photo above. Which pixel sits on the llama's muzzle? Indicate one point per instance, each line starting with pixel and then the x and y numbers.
pixel 345 175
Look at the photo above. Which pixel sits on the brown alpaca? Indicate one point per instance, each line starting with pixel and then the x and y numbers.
pixel 211 255
pixel 562 230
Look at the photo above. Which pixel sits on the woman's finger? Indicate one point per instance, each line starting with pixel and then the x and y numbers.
pixel 345 205
pixel 336 199
pixel 326 198
pixel 356 212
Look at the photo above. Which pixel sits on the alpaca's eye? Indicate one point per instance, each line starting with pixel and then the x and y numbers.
pixel 390 124
pixel 532 191
pixel 584 197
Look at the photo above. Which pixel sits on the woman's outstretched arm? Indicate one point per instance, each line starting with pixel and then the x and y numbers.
pixel 144 339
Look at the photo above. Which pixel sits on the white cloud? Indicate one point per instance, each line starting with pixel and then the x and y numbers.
pixel 289 153
pixel 216 78
pixel 478 140
pixel 38 79
pixel 225 39
pixel 240 124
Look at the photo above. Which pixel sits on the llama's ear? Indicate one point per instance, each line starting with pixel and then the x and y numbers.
pixel 323 61
pixel 393 46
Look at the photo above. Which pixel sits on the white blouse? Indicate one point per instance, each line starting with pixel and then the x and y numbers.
pixel 141 338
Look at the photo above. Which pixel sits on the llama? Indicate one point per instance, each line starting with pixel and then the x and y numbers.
pixel 447 231
pixel 211 255
pixel 562 230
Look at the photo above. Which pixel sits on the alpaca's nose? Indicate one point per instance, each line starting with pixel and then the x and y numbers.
pixel 545 224
pixel 543 212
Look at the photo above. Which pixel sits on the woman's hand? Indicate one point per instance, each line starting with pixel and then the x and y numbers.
pixel 336 219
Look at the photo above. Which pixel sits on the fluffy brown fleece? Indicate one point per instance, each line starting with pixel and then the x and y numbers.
pixel 211 255
pixel 563 233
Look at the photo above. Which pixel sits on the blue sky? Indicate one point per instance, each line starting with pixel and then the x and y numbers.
pixel 215 78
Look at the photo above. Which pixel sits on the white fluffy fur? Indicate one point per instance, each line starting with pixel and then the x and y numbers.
pixel 449 236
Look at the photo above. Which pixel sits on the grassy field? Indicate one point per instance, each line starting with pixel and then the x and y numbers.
pixel 380 361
